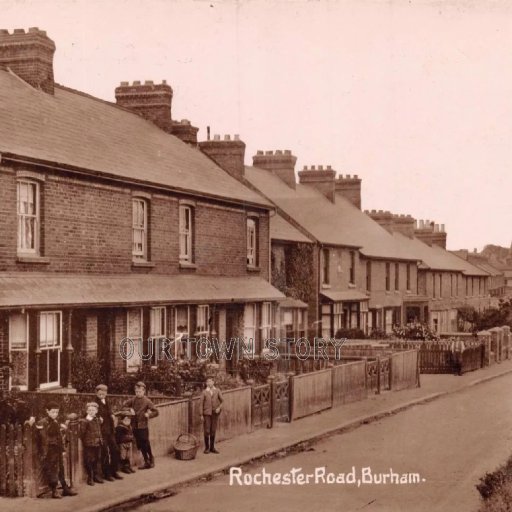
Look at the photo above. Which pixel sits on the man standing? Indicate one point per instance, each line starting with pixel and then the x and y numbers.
pixel 210 407
pixel 109 448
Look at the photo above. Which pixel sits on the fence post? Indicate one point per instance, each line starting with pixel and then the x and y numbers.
pixel 271 381
pixel 290 396
pixel 418 369
pixel 391 371
pixel 190 419
pixel 506 340
pixel 366 373
pixel 331 367
pixel 73 455
pixel 378 376
pixel 250 382
pixel 29 473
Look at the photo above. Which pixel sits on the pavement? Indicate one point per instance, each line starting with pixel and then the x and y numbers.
pixel 170 474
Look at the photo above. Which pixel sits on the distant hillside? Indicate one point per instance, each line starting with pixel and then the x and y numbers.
pixel 499 257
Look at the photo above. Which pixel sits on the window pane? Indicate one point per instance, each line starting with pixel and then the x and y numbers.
pixel 18 331
pixel 182 320
pixel 134 323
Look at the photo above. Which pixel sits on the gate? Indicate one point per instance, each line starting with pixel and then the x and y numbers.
pixel 260 398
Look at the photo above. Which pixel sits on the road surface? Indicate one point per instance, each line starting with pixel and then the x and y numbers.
pixel 446 444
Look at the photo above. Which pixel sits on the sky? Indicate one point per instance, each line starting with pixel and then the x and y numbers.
pixel 415 97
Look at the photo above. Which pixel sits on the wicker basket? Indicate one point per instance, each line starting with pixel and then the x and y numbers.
pixel 185 447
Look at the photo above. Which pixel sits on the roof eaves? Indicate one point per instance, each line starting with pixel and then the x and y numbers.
pixel 100 174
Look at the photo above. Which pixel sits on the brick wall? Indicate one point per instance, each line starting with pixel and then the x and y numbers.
pixel 86 227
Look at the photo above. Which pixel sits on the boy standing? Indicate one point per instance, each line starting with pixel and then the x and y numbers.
pixel 143 409
pixel 124 439
pixel 90 433
pixel 51 449
pixel 209 409
pixel 109 448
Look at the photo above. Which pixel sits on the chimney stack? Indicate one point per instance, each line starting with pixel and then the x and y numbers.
pixel 322 179
pixel 431 233
pixel 280 163
pixel 153 102
pixel 383 218
pixel 228 154
pixel 394 223
pixel 30 56
pixel 149 100
pixel 349 187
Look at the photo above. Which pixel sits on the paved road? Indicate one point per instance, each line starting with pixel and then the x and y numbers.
pixel 450 443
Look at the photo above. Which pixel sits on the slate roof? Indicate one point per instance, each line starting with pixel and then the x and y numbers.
pixel 36 289
pixel 281 229
pixel 339 223
pixel 437 258
pixel 77 130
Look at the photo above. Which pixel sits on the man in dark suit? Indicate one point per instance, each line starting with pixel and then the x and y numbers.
pixel 210 407
pixel 109 448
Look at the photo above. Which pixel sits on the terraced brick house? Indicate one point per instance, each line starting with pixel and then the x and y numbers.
pixel 113 225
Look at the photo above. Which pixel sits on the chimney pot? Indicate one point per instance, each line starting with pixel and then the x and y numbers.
pixel 216 137
pixel 259 152
pixel 227 137
pixel 164 82
pixel 329 168
pixel 236 136
pixel 356 177
pixel 313 168
pixel 287 152
pixel 320 167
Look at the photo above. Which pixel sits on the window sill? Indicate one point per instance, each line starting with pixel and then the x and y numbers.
pixel 41 260
pixel 388 292
pixel 351 285
pixel 326 286
pixel 408 292
pixel 253 269
pixel 188 265
pixel 143 264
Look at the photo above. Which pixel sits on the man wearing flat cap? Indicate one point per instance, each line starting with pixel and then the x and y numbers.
pixel 109 448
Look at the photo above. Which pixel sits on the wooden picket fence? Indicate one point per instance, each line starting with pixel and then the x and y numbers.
pixel 12 450
pixel 244 409
pixel 442 357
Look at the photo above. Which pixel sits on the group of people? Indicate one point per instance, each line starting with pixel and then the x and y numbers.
pixel 107 442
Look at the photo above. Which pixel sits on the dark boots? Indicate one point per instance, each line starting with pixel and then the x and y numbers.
pixel 206 444
pixel 67 491
pixel 212 444
pixel 55 493
pixel 148 461
pixel 126 467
